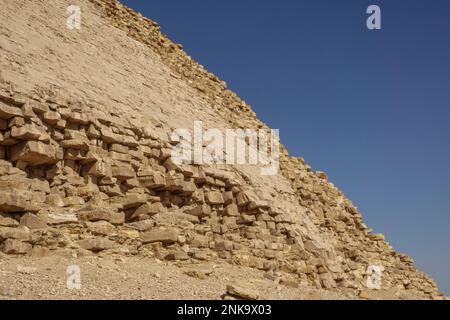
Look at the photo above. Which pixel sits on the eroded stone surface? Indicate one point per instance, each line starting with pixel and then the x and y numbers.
pixel 89 168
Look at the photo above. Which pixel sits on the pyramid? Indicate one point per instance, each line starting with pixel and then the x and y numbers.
pixel 86 145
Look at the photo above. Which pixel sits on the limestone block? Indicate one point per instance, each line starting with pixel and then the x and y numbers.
pixel 131 200
pixel 97 244
pixel 117 218
pixel 39 107
pixel 34 153
pixel 77 144
pixel 16 202
pixel 155 181
pixel 124 157
pixel 232 210
pixel 51 117
pixel 31 221
pixel 214 197
pixel 255 204
pixel 8 112
pixel 78 117
pixel 118 148
pixel 22 234
pixel 73 201
pixel 174 181
pixel 98 169
pixel 228 197
pixel 7 221
pixel 12 246
pixel 101 228
pixel 6 139
pixel 129 141
pixel 28 112
pixel 62 217
pixel 95 213
pixel 26 132
pixel 145 171
pixel 188 187
pixel 55 200
pixel 148 209
pixel 242 199
pixel 92 132
pixel 242 291
pixel 110 137
pixel 200 211
pixel 168 236
pixel 123 171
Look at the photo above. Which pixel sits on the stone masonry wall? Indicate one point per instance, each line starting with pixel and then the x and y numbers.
pixel 334 214
pixel 97 182
pixel 75 177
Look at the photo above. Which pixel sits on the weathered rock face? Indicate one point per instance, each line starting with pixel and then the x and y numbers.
pixel 87 167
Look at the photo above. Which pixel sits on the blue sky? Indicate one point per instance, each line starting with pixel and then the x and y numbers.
pixel 370 108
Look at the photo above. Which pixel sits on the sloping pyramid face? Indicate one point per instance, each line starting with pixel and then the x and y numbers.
pixel 86 118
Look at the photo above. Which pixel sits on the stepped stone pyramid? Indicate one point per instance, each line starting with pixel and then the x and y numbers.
pixel 85 161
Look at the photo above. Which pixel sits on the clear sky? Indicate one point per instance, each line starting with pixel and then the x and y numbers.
pixel 370 108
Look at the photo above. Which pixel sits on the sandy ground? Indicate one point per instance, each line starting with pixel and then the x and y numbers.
pixel 118 277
